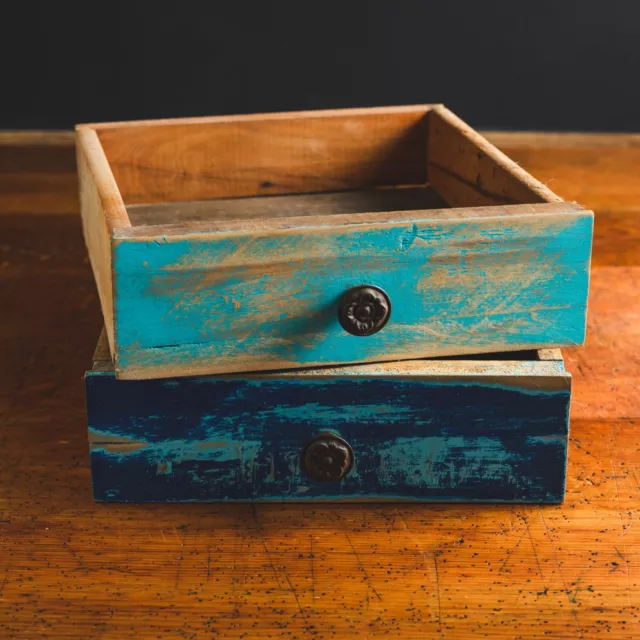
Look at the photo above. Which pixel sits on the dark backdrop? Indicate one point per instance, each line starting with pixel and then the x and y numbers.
pixel 557 64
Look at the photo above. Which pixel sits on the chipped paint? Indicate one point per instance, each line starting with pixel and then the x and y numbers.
pixel 240 438
pixel 232 302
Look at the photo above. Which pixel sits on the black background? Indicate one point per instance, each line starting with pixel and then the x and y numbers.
pixel 510 65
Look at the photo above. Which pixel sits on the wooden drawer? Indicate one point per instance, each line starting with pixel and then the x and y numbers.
pixel 439 430
pixel 239 243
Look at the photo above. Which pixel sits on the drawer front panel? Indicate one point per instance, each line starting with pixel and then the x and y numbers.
pixel 214 439
pixel 217 303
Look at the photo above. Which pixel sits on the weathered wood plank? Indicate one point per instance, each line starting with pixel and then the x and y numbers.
pixel 315 204
pixel 266 154
pixel 467 170
pixel 517 365
pixel 257 226
pixel 550 354
pixel 102 211
pixel 506 278
pixel 450 438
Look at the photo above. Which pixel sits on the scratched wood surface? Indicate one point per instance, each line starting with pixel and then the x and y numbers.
pixel 499 278
pixel 489 430
pixel 70 568
pixel 505 269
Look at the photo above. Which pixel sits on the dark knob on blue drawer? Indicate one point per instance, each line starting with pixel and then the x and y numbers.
pixel 364 310
pixel 327 458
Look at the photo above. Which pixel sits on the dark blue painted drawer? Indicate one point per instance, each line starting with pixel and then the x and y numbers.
pixel 442 430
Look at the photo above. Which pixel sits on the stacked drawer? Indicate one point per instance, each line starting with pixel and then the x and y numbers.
pixel 358 304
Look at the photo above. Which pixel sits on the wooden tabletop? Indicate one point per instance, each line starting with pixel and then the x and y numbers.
pixel 70 568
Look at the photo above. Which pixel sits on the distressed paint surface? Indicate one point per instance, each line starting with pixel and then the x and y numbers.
pixel 221 302
pixel 233 438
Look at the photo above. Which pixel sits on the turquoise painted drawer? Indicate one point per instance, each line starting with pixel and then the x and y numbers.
pixel 281 241
pixel 490 430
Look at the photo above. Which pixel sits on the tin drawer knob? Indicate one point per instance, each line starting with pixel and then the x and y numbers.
pixel 364 310
pixel 327 458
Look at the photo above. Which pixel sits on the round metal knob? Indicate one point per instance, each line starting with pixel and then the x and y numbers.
pixel 364 310
pixel 327 458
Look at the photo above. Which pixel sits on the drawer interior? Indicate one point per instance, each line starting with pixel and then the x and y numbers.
pixel 308 164
pixel 296 205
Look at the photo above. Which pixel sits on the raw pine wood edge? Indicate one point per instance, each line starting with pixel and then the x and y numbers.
pixel 182 231
pixel 465 168
pixel 540 368
pixel 434 366
pixel 549 354
pixel 103 212
pixel 258 117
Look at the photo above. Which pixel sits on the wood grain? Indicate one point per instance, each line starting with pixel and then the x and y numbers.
pixel 70 568
pixel 464 281
pixel 102 212
pixel 467 170
pixel 314 204
pixel 266 154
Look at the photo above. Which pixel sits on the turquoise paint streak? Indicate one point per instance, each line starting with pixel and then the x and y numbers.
pixel 440 461
pixel 427 462
pixel 455 285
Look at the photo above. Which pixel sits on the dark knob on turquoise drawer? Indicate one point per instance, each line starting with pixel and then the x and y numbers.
pixel 327 458
pixel 364 310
